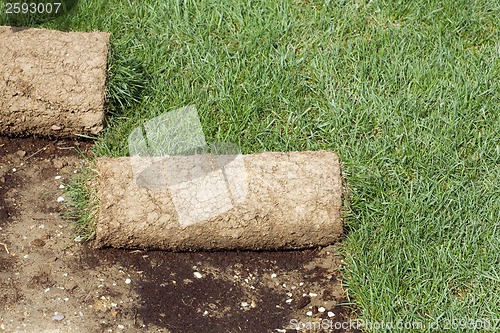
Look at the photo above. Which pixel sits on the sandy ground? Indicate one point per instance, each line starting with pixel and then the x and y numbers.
pixel 49 283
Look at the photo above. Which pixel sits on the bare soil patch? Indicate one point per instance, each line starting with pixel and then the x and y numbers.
pixel 49 283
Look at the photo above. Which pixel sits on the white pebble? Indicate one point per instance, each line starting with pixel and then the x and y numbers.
pixel 309 313
pixel 331 314
pixel 273 275
pixel 57 177
pixel 58 317
pixel 198 275
pixel 321 309
pixel 128 281
pixel 60 199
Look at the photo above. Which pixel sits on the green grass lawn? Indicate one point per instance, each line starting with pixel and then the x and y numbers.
pixel 407 93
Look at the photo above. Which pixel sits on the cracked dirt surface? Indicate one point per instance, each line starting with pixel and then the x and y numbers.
pixel 49 283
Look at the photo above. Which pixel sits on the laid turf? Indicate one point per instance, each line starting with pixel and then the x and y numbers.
pixel 407 92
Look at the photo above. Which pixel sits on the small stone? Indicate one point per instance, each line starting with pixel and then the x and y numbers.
pixel 55 128
pixel 128 281
pixel 58 317
pixel 302 303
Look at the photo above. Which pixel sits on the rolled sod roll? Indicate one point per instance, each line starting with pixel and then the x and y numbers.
pixel 52 83
pixel 262 201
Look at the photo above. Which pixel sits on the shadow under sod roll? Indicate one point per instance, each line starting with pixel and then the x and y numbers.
pixel 270 200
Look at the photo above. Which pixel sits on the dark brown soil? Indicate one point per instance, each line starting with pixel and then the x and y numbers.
pixel 46 273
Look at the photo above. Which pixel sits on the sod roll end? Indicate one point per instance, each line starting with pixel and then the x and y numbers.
pixel 52 83
pixel 205 202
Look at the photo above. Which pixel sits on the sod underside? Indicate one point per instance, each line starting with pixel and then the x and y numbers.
pixel 201 202
pixel 52 83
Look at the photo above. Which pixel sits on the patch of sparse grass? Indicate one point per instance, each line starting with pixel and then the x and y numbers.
pixel 406 92
pixel 82 202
